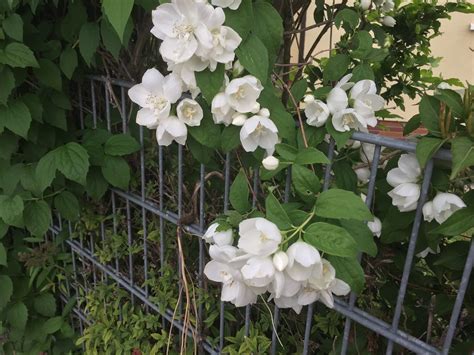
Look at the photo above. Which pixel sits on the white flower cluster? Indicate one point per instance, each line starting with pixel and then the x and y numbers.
pixel 294 278
pixel 405 180
pixel 194 37
pixel 384 6
pixel 235 104
pixel 353 111
pixel 442 207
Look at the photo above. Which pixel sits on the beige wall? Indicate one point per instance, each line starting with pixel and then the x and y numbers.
pixel 455 45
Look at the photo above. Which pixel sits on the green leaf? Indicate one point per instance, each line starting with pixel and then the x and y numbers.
pixel 268 27
pixel 341 138
pixel 68 62
pixel 18 55
pixel 311 155
pixel 89 39
pixel 3 229
pixel 46 170
pixel 210 83
pixel 453 100
pixel 362 71
pixel 3 256
pixel 239 193
pixel 347 18
pixel 96 185
pixel 110 38
pixel 331 239
pixel 6 290
pixel 336 67
pixel 202 153
pixel 463 154
pixel 68 205
pixel 253 55
pixel 413 124
pixel 17 315
pixel 230 138
pixel 345 176
pixel 350 271
pixel 11 208
pixel 429 114
pixel 49 74
pixel 52 325
pixel 37 217
pixel 240 20
pixel 286 151
pixel 45 304
pixel 8 84
pixel 306 183
pixel 341 204
pixel 459 222
pixel 426 148
pixel 362 235
pixel 13 27
pixel 16 117
pixel 207 133
pixel 121 144
pixel 276 213
pixel 116 171
pixel 117 13
pixel 73 161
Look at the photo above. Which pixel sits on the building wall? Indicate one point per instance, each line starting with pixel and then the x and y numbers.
pixel 455 46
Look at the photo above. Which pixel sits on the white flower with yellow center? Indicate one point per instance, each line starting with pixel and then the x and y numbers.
pixel 303 259
pixel 171 129
pixel 259 236
pixel 190 112
pixel 231 4
pixel 259 131
pixel 242 94
pixel 316 111
pixel 154 95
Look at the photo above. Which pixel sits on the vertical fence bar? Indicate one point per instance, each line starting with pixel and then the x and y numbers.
pixel 162 227
pixel 124 109
pixel 226 207
pixel 459 300
pixel 129 244
pixel 178 234
pixel 368 202
pixel 107 107
pixel 144 214
pixel 114 227
pixel 411 250
pixel 202 192
pixel 327 181
pixel 81 108
pixel 94 105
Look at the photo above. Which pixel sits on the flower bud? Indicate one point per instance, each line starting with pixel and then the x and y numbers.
pixel 365 4
pixel 309 98
pixel 255 108
pixel 280 260
pixel 264 112
pixel 239 119
pixel 237 69
pixel 388 21
pixel 270 163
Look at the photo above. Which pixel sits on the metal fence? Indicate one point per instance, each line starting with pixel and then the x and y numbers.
pixel 95 100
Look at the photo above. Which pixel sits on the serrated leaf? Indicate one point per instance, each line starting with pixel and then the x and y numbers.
pixel 68 62
pixel 89 39
pixel 11 208
pixel 96 185
pixel 45 304
pixel 17 55
pixel 3 256
pixel 239 193
pixel 8 84
pixel 116 171
pixel 46 170
pixel 117 13
pixel 52 325
pixel 73 161
pixel 68 205
pixel 37 217
pixel 341 204
pixel 13 27
pixel 48 74
pixel 336 67
pixel 17 315
pixel 253 56
pixel 6 290
pixel 331 239
pixel 276 213
pixel 16 117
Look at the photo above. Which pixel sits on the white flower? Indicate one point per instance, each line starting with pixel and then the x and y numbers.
pixel 155 95
pixel 185 71
pixel 316 111
pixel 218 237
pixel 303 258
pixel 367 152
pixel 190 112
pixel 280 260
pixel 322 285
pixel 242 94
pixel 270 163
pixel 259 131
pixel 388 5
pixel 337 100
pixel 344 83
pixel 171 129
pixel 259 236
pixel 231 4
pixel 363 174
pixel 375 227
pixel 424 253
pixel 408 171
pixel 221 110
pixel 348 119
pixel 182 25
pixel 405 196
pixel 444 86
pixel 388 21
pixel 258 272
pixel 366 101
pixel 442 207
pixel 365 4
pixel 224 41
pixel 288 302
pixel 238 119
pixel 237 68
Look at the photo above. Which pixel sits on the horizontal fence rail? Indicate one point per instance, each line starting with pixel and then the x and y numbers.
pixel 128 207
